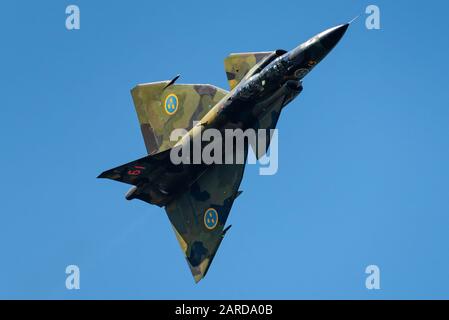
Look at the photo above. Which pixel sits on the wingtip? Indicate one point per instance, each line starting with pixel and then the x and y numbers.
pixel 199 272
pixel 198 278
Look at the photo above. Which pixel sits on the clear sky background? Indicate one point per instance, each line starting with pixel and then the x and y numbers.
pixel 364 151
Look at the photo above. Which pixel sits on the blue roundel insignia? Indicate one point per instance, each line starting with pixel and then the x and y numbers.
pixel 211 218
pixel 171 104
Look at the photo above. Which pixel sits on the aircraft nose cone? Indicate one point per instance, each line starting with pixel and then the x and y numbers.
pixel 316 48
pixel 331 37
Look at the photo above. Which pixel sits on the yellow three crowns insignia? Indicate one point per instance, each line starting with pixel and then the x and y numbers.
pixel 171 104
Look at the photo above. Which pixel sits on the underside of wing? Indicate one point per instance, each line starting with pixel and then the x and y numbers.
pixel 199 215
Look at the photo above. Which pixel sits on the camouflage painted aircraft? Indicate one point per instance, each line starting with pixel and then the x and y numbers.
pixel 199 197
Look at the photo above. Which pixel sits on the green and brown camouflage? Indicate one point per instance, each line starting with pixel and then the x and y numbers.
pixel 156 124
pixel 215 190
pixel 198 197
pixel 237 65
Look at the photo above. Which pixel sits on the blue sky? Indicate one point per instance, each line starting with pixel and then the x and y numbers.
pixel 364 152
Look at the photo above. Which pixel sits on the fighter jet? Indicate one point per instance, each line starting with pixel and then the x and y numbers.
pixel 198 196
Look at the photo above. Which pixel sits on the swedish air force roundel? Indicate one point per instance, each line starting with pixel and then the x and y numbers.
pixel 211 218
pixel 171 104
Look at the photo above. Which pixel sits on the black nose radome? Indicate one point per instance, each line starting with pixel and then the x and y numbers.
pixel 320 45
pixel 331 37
